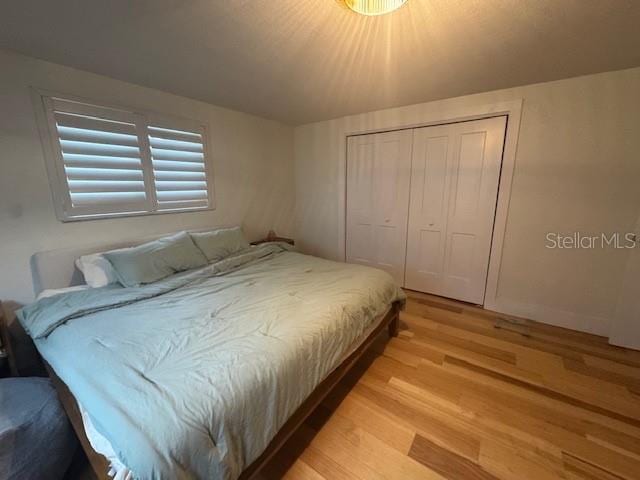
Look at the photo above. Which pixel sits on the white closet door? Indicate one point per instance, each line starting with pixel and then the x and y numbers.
pixel 454 185
pixel 378 173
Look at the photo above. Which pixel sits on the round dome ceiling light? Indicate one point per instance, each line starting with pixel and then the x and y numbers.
pixel 374 7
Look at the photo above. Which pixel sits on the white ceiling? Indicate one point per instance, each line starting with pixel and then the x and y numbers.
pixel 299 61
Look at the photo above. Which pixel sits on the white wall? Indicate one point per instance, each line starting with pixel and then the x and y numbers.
pixel 252 161
pixel 577 169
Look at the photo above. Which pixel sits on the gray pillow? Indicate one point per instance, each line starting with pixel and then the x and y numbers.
pixel 221 243
pixel 155 260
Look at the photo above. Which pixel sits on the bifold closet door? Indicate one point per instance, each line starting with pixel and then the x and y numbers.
pixel 378 173
pixel 454 186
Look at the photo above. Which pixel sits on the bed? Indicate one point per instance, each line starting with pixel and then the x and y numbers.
pixel 206 373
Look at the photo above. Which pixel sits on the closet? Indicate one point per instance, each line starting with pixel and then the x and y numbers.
pixel 421 204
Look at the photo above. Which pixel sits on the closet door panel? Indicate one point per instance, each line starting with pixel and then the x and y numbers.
pixel 360 208
pixel 378 168
pixel 428 208
pixel 475 177
pixel 454 185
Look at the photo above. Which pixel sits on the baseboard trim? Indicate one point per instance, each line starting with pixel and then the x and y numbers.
pixel 593 324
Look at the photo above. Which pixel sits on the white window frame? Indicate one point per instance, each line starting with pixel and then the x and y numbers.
pixel 65 212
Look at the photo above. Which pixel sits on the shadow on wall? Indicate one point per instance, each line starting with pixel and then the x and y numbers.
pixel 625 331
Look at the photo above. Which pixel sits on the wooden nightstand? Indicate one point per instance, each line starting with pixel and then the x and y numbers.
pixel 272 237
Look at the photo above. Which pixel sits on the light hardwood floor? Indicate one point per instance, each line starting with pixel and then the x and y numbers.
pixel 454 397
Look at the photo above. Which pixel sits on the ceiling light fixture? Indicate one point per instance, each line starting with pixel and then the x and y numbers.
pixel 374 7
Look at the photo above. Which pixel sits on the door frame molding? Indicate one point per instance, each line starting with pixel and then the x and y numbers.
pixel 453 114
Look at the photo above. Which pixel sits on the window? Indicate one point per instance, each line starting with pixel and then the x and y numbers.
pixel 107 162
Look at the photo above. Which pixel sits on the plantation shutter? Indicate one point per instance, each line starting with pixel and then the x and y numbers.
pixel 179 168
pixel 102 160
pixel 108 162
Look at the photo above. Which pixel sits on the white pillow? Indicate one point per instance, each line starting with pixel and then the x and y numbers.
pixel 97 270
pixel 57 291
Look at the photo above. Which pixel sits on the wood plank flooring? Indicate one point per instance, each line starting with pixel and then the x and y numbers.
pixel 455 397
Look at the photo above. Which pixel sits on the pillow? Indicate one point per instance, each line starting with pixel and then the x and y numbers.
pixel 96 269
pixel 221 243
pixel 153 261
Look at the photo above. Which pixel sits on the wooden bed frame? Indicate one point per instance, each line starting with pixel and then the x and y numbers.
pixel 100 464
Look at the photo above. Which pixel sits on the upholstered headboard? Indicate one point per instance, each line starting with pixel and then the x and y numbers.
pixel 57 269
